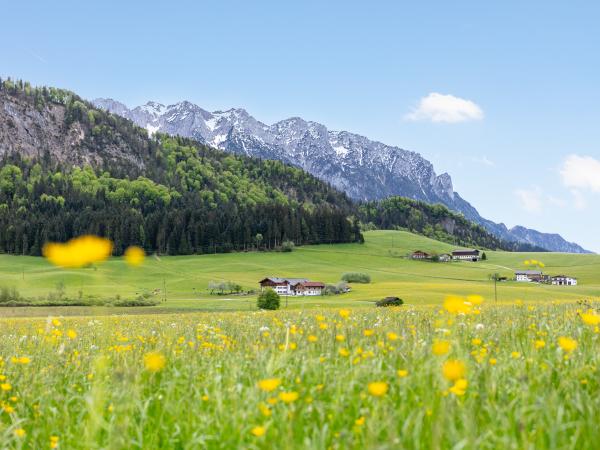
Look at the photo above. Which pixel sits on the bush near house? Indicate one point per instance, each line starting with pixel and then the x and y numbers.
pixel 268 299
pixel 356 277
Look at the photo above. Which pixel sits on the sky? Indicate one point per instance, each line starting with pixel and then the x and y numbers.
pixel 504 96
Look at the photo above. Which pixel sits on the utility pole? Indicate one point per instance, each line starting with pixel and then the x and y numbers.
pixel 496 287
pixel 164 290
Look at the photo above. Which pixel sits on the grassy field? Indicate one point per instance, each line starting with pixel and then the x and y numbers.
pixel 186 278
pixel 505 376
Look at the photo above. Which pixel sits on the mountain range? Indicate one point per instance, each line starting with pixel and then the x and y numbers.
pixel 362 168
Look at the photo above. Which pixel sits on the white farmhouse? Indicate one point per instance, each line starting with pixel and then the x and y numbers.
pixel 466 255
pixel 563 280
pixel 528 276
pixel 292 286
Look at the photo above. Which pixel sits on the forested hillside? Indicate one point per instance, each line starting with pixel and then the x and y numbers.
pixel 434 221
pixel 169 195
pixel 68 168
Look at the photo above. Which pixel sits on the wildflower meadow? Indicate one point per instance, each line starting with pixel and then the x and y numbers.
pixel 462 375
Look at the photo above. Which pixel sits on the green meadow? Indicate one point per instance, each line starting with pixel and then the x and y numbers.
pixel 383 256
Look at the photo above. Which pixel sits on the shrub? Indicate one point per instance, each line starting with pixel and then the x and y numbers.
pixel 335 289
pixel 268 299
pixel 356 277
pixel 287 246
pixel 390 301
pixel 483 257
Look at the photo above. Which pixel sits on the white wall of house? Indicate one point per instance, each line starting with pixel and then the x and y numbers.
pixel 523 277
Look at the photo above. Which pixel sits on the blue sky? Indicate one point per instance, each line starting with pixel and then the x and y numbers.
pixel 502 95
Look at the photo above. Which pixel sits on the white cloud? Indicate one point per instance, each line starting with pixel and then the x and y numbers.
pixel 581 173
pixel 445 108
pixel 530 199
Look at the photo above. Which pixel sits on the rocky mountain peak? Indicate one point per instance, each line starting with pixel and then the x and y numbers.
pixel 364 169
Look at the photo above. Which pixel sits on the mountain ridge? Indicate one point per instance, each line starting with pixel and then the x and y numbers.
pixel 362 168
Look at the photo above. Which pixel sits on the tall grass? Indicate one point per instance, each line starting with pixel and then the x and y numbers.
pixel 191 381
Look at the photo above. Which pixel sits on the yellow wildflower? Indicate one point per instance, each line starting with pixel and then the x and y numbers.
pixel 288 397
pixel 134 256
pixel 440 348
pixel 567 344
pixel 460 387
pixel 269 384
pixel 258 431
pixel 378 388
pixel 454 369
pixel 78 252
pixel 154 361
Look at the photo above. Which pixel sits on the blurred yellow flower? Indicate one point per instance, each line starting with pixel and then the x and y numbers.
pixel 258 431
pixel 515 355
pixel 344 313
pixel 71 334
pixel 440 348
pixel 457 305
pixel 343 352
pixel 402 373
pixel 288 397
pixel 154 362
pixel 5 386
pixel 590 318
pixel 269 384
pixel 20 432
pixel 378 388
pixel 475 299
pixel 312 338
pixel 360 421
pixel 78 252
pixel 368 332
pixel 392 336
pixel 567 344
pixel 460 387
pixel 134 256
pixel 454 369
pixel 539 343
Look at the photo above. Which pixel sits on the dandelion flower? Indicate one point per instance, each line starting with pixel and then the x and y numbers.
pixel 567 344
pixel 539 343
pixel 402 373
pixel 269 384
pixel 78 252
pixel 590 318
pixel 457 305
pixel 134 256
pixel 154 362
pixel 378 388
pixel 460 387
pixel 288 397
pixel 440 348
pixel 344 313
pixel 258 431
pixel 20 432
pixel 454 369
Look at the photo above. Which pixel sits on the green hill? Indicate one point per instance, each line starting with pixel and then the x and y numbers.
pixel 186 277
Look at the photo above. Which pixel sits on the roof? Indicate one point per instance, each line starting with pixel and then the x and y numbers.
pixel 528 272
pixel 313 284
pixel 564 276
pixel 470 251
pixel 291 281
pixel 420 251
